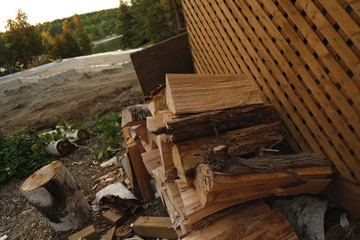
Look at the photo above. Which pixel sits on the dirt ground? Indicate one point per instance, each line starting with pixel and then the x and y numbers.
pixel 74 90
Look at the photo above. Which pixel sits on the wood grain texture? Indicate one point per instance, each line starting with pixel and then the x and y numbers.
pixel 194 93
pixel 186 155
pixel 304 56
pixel 252 221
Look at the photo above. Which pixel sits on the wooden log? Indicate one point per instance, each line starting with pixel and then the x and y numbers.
pixel 54 193
pixel 187 155
pixel 141 132
pixel 193 210
pixel 114 217
pixel 167 162
pixel 214 186
pixel 110 234
pixel 134 115
pixel 185 127
pixel 154 227
pixel 143 179
pixel 195 93
pixel 151 159
pixel 251 221
pixel 88 233
pixel 158 101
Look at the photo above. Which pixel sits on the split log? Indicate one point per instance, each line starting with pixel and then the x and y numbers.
pixel 158 101
pixel 151 159
pixel 214 186
pixel 166 157
pixel 195 93
pixel 182 128
pixel 187 155
pixel 134 115
pixel 54 193
pixel 134 150
pixel 249 221
pixel 88 233
pixel 193 210
pixel 154 227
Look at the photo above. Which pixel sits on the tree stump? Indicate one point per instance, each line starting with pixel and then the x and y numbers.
pixel 54 193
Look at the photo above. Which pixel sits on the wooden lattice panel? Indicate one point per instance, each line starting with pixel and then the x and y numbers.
pixel 304 56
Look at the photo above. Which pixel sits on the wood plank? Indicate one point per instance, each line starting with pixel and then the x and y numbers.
pixel 186 155
pixel 214 49
pixel 194 93
pixel 152 63
pixel 254 62
pixel 298 104
pixel 343 19
pixel 154 227
pixel 251 221
pixel 317 92
pixel 323 25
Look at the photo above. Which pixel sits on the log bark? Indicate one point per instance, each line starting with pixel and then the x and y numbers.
pixel 134 115
pixel 54 193
pixel 212 186
pixel 195 93
pixel 187 155
pixel 182 128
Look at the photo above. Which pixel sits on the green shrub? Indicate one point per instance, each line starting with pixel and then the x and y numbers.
pixel 18 156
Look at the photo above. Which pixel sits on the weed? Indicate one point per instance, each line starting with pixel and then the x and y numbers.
pixel 19 157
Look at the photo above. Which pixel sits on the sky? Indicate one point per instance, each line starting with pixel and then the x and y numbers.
pixel 39 11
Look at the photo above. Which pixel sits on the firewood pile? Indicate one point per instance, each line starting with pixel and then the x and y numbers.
pixel 214 150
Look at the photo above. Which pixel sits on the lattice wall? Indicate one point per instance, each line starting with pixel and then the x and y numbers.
pixel 303 54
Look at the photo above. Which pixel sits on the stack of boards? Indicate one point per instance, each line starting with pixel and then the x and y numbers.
pixel 209 142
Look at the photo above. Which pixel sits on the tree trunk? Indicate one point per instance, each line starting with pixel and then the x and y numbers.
pixel 54 193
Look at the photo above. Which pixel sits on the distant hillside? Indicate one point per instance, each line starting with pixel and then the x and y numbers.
pixel 97 24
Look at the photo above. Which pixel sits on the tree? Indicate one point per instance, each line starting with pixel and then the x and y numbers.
pixel 7 62
pixel 149 21
pixel 83 39
pixel 70 47
pixel 23 41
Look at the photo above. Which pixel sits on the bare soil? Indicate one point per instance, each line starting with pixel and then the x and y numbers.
pixel 59 93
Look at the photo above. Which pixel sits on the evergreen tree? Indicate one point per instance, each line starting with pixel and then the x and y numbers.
pixel 127 26
pixel 23 41
pixel 83 39
pixel 70 47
